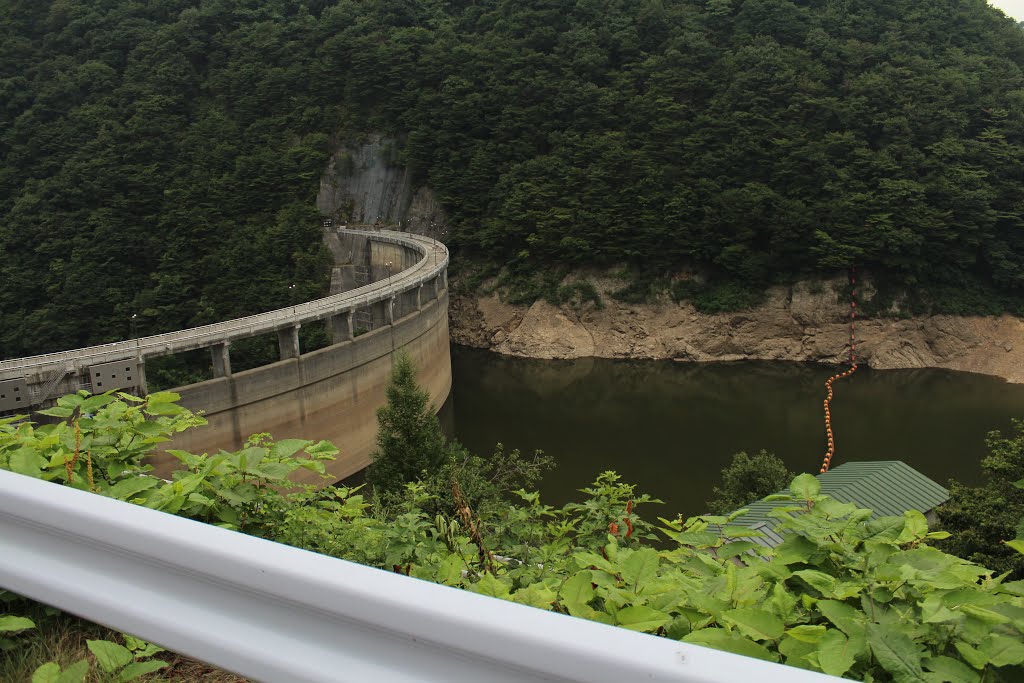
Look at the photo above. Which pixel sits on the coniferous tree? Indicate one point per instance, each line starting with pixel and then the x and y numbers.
pixel 410 443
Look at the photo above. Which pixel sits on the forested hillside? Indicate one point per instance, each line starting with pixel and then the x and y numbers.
pixel 160 158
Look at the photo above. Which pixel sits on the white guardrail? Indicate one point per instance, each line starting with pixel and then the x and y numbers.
pixel 433 262
pixel 275 613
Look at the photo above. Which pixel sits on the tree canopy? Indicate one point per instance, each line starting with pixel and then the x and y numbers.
pixel 161 158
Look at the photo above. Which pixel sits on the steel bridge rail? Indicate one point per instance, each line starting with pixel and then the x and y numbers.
pixel 273 613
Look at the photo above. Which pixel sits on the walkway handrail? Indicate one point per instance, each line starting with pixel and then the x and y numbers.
pixel 275 613
pixel 433 262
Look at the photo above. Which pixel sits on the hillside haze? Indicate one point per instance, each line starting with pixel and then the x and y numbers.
pixel 161 159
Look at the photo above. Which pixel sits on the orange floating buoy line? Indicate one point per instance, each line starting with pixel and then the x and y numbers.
pixel 853 368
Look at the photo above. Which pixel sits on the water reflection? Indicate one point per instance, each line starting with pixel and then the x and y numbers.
pixel 671 427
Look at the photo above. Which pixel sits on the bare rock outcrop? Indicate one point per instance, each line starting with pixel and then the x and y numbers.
pixel 804 322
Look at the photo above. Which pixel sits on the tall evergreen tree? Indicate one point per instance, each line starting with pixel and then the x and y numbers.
pixel 410 444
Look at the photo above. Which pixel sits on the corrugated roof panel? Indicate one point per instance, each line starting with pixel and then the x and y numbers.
pixel 887 487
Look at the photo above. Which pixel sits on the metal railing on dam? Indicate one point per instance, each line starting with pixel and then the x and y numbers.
pixel 275 613
pixel 29 375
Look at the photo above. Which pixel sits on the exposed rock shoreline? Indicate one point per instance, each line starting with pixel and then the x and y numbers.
pixel 804 322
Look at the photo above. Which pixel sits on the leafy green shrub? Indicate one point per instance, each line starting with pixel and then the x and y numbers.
pixel 410 443
pixel 748 479
pixel 638 290
pixel 577 295
pixel 846 594
pixel 718 296
pixel 981 517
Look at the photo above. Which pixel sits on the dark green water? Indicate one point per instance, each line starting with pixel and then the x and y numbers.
pixel 671 427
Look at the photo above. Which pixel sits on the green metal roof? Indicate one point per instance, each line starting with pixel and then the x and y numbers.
pixel 887 487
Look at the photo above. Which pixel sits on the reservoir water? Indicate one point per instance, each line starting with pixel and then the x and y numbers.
pixel 671 427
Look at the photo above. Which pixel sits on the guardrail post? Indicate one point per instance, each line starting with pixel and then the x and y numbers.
pixel 341 325
pixel 221 354
pixel 288 342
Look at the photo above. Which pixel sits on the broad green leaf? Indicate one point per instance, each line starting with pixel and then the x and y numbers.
pixel 720 639
pixel 47 673
pixel 163 409
pixel 756 624
pixel 94 403
pixel 796 651
pixel 782 602
pixel 27 461
pixel 699 539
pixel 640 567
pixel 322 448
pixel 489 585
pixel 847 619
pixel 136 669
pixel 897 653
pixel 740 532
pixel 450 570
pixel 587 559
pixel 914 528
pixel 884 529
pixel 75 673
pixel 1002 650
pixel 576 592
pixel 314 466
pixel 1017 544
pixel 536 595
pixel 641 618
pixel 126 489
pixel 140 647
pixel 12 624
pixel 735 548
pixel 288 447
pixel 835 656
pixel 807 633
pixel 795 550
pixel 985 615
pixel 952 670
pixel 1012 588
pixel 830 507
pixel 57 411
pixel 163 397
pixel 110 656
pixel 821 581
pixel 969 653
pixel 805 487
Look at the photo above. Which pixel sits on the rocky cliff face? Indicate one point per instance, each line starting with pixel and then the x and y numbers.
pixel 804 322
pixel 365 183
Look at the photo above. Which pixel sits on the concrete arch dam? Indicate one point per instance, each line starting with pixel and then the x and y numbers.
pixel 332 393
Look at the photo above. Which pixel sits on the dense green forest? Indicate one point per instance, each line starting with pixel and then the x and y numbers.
pixel 160 158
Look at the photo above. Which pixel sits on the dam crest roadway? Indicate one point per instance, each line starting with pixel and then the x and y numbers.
pixel 331 393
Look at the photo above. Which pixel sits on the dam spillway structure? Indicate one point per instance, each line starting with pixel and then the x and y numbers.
pixel 331 393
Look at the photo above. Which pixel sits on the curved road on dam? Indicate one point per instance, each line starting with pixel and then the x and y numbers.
pixel 332 393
